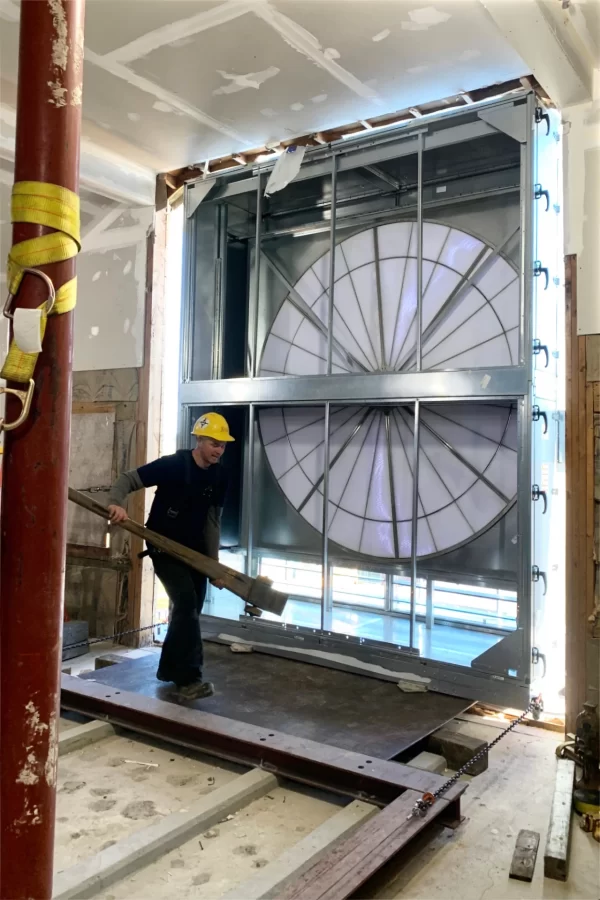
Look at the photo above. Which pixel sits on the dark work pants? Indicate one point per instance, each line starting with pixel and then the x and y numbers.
pixel 182 657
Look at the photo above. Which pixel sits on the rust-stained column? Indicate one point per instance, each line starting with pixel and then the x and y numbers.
pixel 36 461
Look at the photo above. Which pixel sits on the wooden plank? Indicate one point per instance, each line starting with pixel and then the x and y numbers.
pixel 556 855
pixel 571 404
pixel 252 590
pixel 84 407
pixel 589 576
pixel 525 855
pixel 458 748
pixel 579 471
pixel 87 551
pixel 592 357
pixel 349 865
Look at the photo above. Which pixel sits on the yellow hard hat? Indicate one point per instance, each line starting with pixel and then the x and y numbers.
pixel 212 425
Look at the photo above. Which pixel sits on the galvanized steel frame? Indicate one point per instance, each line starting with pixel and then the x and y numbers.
pixel 381 389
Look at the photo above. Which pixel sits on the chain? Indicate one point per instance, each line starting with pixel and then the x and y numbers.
pixel 110 637
pixel 422 805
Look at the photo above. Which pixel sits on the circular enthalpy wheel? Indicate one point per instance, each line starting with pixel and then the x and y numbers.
pixel 467 451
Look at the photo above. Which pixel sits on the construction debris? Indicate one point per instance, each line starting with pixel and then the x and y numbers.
pixel 525 855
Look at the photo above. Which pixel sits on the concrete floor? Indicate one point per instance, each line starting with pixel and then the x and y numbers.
pixel 471 863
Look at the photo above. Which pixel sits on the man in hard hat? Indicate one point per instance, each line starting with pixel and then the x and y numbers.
pixel 187 507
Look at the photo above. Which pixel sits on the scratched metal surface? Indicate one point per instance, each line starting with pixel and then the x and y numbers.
pixel 333 707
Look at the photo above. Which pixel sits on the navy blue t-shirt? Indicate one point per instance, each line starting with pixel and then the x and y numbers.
pixel 185 492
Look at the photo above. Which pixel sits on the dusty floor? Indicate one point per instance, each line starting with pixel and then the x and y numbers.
pixel 472 863
pixel 99 784
pixel 227 855
pixel 118 785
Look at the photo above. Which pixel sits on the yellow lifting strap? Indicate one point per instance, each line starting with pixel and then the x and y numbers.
pixel 58 208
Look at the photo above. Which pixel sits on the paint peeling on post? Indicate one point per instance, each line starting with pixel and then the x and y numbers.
pixel 36 463
pixel 60 52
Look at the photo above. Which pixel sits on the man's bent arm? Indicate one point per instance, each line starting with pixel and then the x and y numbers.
pixel 124 485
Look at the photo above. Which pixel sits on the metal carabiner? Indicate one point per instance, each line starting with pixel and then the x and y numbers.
pixel 25 397
pixel 51 292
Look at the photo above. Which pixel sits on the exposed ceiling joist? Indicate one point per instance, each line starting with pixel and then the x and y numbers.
pixel 542 33
pixel 257 155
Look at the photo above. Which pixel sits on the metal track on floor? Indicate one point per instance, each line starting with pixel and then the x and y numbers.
pixel 360 842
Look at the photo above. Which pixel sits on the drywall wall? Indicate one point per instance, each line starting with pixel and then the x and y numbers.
pixel 111 275
pixel 581 130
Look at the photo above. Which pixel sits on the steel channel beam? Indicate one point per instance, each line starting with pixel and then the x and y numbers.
pixel 385 387
pixel 309 762
pixel 364 140
pixel 379 148
pixel 400 210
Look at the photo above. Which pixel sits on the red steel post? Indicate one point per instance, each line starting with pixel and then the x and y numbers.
pixel 36 465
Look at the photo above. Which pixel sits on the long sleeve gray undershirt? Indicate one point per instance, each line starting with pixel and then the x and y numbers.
pixel 131 481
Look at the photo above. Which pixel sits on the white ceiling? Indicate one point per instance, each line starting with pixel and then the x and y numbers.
pixel 169 83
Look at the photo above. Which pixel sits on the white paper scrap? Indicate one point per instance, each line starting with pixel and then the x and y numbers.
pixel 26 329
pixel 285 169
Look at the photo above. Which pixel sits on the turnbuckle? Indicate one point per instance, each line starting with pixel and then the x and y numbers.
pixel 25 397
pixel 51 292
pixel 421 807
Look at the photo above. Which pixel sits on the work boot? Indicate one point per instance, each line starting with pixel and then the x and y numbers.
pixel 197 690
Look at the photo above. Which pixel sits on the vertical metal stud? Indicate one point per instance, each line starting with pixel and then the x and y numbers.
pixel 254 294
pixel 415 522
pixel 220 288
pixel 419 314
pixel 326 598
pixel 429 619
pixel 248 491
pixel 332 229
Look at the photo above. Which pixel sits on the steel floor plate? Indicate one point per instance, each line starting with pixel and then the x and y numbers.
pixel 342 709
